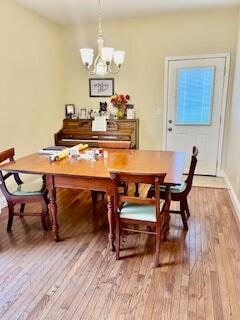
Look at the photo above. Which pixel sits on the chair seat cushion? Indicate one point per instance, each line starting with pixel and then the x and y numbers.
pixel 27 189
pixel 140 212
pixel 175 189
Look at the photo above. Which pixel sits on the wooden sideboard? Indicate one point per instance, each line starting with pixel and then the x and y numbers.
pixel 76 131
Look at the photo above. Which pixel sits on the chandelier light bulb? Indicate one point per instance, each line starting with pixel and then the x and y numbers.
pixel 107 54
pixel 118 57
pixel 87 56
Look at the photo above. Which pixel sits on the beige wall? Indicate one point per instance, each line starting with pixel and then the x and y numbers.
pixel 232 167
pixel 147 42
pixel 32 91
pixel 41 71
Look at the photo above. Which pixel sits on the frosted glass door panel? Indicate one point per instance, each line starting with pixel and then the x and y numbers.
pixel 194 96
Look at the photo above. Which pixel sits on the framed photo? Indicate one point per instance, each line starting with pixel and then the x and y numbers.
pixel 69 110
pixel 101 87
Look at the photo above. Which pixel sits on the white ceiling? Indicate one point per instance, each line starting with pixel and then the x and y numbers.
pixel 68 12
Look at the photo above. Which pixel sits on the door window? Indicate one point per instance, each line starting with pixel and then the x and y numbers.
pixel 194 95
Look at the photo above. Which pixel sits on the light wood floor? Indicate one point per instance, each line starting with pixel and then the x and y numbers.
pixel 79 278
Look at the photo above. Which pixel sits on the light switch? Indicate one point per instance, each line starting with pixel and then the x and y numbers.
pixel 159 111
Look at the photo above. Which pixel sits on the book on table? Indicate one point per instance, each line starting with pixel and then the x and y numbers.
pixel 51 150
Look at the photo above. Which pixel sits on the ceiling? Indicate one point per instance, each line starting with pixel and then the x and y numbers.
pixel 72 12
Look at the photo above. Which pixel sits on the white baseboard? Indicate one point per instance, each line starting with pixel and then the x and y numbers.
pixel 233 196
pixel 221 173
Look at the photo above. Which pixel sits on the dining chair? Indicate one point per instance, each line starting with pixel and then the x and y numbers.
pixel 132 210
pixel 118 145
pixel 94 194
pixel 180 192
pixel 18 192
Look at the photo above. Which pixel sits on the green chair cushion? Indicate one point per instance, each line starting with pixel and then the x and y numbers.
pixel 140 212
pixel 27 189
pixel 175 189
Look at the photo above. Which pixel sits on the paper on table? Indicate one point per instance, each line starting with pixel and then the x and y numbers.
pixel 99 124
pixel 51 150
pixel 47 152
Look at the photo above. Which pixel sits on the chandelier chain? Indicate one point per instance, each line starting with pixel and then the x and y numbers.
pixel 100 32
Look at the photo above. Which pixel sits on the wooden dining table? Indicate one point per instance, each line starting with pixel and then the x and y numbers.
pixel 94 174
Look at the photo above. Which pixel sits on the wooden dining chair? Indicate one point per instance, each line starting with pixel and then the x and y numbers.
pixel 94 194
pixel 22 193
pixel 180 193
pixel 132 210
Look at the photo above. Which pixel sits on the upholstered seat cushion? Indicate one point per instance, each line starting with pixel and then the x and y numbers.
pixel 175 189
pixel 34 188
pixel 140 212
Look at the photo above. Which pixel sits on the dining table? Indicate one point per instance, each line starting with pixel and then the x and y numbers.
pixel 93 174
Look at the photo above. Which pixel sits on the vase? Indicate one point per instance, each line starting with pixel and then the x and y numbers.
pixel 120 114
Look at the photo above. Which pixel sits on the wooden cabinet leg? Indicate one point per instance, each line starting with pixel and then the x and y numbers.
pixel 111 222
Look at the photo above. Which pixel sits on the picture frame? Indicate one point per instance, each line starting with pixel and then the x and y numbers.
pixel 69 110
pixel 101 87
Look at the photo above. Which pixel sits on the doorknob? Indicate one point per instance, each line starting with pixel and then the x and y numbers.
pixel 170 121
pixel 169 129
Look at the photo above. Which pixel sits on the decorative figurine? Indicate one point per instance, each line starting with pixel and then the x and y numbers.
pixel 103 108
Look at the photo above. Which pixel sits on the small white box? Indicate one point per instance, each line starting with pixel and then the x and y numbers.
pixel 74 152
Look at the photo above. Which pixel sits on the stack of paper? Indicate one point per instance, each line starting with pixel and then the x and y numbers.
pixel 51 150
pixel 99 124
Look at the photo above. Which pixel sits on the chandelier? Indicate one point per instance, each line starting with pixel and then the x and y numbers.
pixel 108 60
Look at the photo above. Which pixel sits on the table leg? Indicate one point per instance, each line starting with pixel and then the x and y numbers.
pixel 168 217
pixel 53 207
pixel 94 195
pixel 111 222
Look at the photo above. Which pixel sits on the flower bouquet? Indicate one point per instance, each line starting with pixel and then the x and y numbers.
pixel 120 102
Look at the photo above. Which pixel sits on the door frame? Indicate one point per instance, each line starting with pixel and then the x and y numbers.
pixel 227 57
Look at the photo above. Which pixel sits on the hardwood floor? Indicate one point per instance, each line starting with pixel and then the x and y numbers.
pixel 78 278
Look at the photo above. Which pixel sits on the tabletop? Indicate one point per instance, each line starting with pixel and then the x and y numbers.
pixel 141 161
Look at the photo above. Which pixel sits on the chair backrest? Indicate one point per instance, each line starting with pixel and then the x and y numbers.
pixel 156 179
pixel 7 156
pixel 114 144
pixel 192 168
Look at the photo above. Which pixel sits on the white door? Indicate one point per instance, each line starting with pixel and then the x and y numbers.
pixel 194 107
